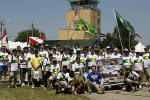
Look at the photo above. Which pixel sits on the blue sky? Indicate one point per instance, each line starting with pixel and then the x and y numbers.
pixel 50 15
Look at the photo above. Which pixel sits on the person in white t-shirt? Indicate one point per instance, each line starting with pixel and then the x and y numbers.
pixel 108 54
pixel 132 53
pixel 13 67
pixel 116 53
pixel 101 54
pixel 3 62
pixel 57 56
pixel 146 59
pixel 127 59
pixel 23 66
pixel 77 69
pixel 138 66
pixel 92 60
pixel 55 69
pixel 64 81
pixel 66 59
pixel 47 67
pixel 29 65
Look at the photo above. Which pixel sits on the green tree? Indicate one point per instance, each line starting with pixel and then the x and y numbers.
pixel 23 36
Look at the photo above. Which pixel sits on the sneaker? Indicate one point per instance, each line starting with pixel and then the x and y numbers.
pixel 46 89
pixel 133 90
pixel 8 86
pixel 42 86
pixel 140 87
pixel 146 84
pixel 89 91
pixel 22 85
pixel 32 86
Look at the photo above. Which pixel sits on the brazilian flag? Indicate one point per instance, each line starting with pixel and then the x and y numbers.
pixel 84 26
pixel 123 22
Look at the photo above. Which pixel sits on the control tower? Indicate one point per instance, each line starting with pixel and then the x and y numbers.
pixel 81 9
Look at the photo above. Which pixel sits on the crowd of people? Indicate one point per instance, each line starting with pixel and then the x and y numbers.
pixel 64 69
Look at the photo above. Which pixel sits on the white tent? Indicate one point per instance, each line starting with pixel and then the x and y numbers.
pixel 139 47
pixel 13 45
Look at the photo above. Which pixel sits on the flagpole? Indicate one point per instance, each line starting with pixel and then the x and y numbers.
pixel 1 24
pixel 118 30
pixel 129 41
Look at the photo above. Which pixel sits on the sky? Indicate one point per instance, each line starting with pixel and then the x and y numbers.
pixel 50 15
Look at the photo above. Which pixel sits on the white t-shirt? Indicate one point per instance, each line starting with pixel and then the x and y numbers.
pixel 85 59
pixel 55 69
pixel 108 56
pixel 127 61
pixel 146 60
pixel 73 58
pixel 138 63
pixel 77 67
pixel 116 55
pixel 14 62
pixel 3 55
pixel 66 60
pixel 64 77
pixel 48 64
pixel 57 57
pixel 132 54
pixel 28 58
pixel 22 62
pixel 92 60
pixel 43 54
pixel 100 57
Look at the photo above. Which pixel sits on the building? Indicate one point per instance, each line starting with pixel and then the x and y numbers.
pixel 81 9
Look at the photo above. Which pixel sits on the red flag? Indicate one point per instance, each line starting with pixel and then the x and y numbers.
pixel 36 40
pixel 5 41
pixel 138 35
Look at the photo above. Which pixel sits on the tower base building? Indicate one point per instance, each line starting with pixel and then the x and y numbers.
pixel 81 9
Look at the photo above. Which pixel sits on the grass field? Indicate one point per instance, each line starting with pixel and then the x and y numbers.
pixel 26 93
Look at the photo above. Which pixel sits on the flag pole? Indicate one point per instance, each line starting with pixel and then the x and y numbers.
pixel 118 29
pixel 129 41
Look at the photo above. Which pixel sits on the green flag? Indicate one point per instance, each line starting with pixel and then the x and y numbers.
pixel 122 22
pixel 84 26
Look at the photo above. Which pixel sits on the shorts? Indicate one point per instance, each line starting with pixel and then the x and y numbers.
pixel 40 72
pixel 13 74
pixel 23 71
pixel 4 68
pixel 45 77
pixel 147 71
pixel 79 79
pixel 48 74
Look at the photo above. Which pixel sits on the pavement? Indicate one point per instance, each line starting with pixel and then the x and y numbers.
pixel 143 94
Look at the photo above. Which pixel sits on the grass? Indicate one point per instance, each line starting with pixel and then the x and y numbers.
pixel 26 93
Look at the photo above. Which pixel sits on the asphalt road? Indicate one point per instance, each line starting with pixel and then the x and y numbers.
pixel 143 94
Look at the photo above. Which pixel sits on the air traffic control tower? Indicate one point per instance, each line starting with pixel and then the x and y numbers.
pixel 81 9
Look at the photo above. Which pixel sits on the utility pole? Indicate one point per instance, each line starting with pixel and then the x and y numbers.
pixel 32 28
pixel 1 29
